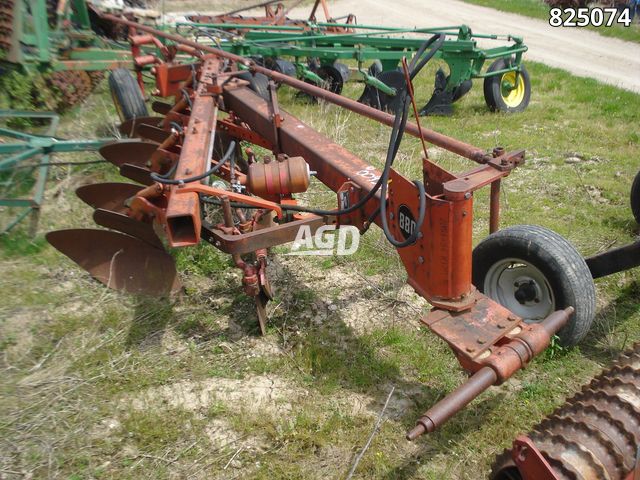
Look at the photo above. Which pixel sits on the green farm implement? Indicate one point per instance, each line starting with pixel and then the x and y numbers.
pixel 30 153
pixel 314 52
pixel 61 46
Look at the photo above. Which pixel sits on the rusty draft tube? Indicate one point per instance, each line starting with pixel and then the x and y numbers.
pixel 456 146
pixel 503 363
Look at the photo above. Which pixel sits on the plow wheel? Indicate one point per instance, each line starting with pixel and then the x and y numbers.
pixel 6 24
pixel 533 272
pixel 72 87
pixel 594 435
pixel 509 92
pixel 377 99
pixel 258 82
pixel 635 198
pixel 282 66
pixel 126 95
pixel 332 78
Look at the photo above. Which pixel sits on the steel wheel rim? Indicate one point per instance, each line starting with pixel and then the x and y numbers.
pixel 515 95
pixel 520 287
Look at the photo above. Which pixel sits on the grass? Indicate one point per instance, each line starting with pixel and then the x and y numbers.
pixel 101 385
pixel 539 9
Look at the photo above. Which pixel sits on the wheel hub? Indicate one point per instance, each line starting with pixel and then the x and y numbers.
pixel 512 89
pixel 527 291
pixel 520 287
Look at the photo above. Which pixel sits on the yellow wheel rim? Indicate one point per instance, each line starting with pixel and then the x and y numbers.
pixel 512 92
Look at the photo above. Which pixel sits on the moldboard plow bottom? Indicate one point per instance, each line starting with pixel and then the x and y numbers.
pixel 201 179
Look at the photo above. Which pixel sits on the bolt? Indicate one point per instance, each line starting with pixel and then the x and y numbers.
pixel 391 215
pixel 464 214
pixel 501 326
pixel 511 318
pixel 484 354
pixel 498 151
pixel 217 244
pixel 420 259
pixel 481 341
pixel 467 195
pixel 470 349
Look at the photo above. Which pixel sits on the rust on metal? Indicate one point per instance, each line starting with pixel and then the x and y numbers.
pixel 119 261
pixel 129 127
pixel 495 368
pixel 529 459
pixel 109 196
pixel 595 435
pixel 126 224
pixel 472 332
pixel 290 175
pixel 136 173
pixel 263 238
pixel 131 151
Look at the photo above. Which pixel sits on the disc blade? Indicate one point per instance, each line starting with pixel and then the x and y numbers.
pixel 136 173
pixel 125 224
pixel 109 196
pixel 129 127
pixel 152 133
pixel 133 151
pixel 119 261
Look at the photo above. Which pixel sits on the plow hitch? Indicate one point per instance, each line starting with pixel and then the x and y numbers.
pixel 495 367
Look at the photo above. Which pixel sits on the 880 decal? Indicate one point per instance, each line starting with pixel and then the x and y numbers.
pixel 585 17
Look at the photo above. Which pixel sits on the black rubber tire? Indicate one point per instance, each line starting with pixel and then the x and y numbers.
pixel 332 77
pixel 126 95
pixel 635 198
pixel 259 83
pixel 493 89
pixel 286 67
pixel 562 266
pixel 344 71
pixel 375 68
